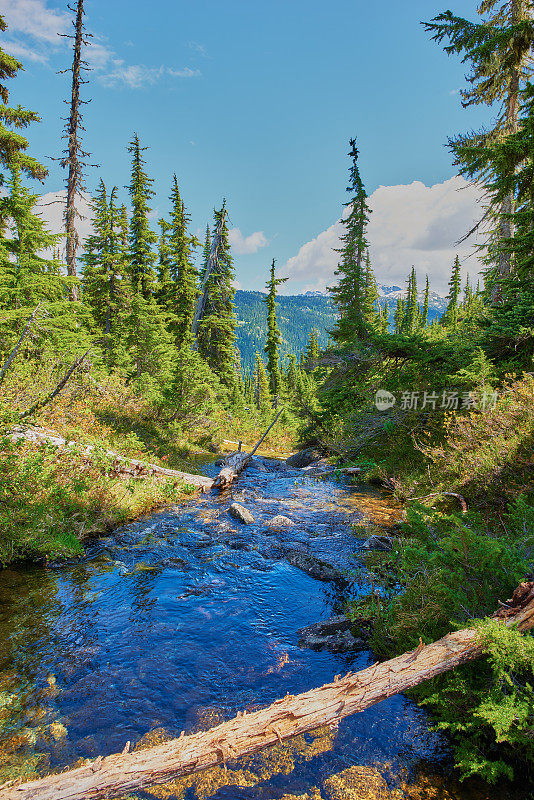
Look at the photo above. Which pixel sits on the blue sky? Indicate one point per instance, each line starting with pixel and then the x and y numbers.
pixel 253 101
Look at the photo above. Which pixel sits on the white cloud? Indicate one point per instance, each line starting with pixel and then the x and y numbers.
pixel 33 17
pixel 32 35
pixel 242 245
pixel 51 207
pixel 410 225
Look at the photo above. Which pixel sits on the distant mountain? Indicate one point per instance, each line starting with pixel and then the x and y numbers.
pixel 299 314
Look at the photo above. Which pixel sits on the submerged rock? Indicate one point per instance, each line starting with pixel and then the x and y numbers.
pixel 280 522
pixel 313 566
pixel 333 634
pixel 304 458
pixel 382 543
pixel 241 513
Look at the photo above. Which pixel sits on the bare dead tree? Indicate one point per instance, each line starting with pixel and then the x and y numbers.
pixel 75 155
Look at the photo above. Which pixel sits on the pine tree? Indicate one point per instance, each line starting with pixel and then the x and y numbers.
pixel 274 338
pixel 141 238
pixel 13 145
pixel 182 288
pixel 399 315
pixel 450 315
pixel 150 344
pixel 216 331
pixel 349 294
pixel 261 382
pixel 26 277
pixel 499 50
pixel 371 304
pixel 383 325
pixel 424 314
pixel 411 311
pixel 104 284
pixel 312 351
pixel 206 250
pixel 192 391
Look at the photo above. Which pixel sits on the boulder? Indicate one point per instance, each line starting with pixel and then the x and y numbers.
pixel 313 566
pixel 382 543
pixel 333 634
pixel 280 522
pixel 304 458
pixel 241 513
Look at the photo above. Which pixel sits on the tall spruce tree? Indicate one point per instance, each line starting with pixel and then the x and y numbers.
pixel 216 330
pixel 426 301
pixel 312 351
pixel 104 283
pixel 26 276
pixel 450 315
pixel 261 382
pixel 350 293
pixel 499 51
pixel 181 295
pixel 274 337
pixel 371 304
pixel 141 238
pixel 411 309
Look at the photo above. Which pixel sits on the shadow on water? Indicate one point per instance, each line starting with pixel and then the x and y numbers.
pixel 183 619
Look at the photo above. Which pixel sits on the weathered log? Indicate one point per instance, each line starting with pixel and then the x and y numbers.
pixel 236 462
pixel 120 464
pixel 122 773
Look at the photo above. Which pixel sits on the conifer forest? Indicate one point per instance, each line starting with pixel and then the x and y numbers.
pixel 266 514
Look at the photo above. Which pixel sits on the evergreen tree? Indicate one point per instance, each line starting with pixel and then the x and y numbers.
pixel 399 315
pixel 261 382
pixel 104 285
pixel 424 314
pixel 411 311
pixel 206 250
pixel 312 351
pixel 141 238
pixel 450 315
pixel 164 275
pixel 216 331
pixel 192 391
pixel 181 295
pixel 273 334
pixel 13 145
pixel 383 325
pixel 499 50
pixel 371 304
pixel 350 293
pixel 150 344
pixel 26 277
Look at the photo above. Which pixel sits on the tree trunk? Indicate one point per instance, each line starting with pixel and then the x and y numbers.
pixel 120 774
pixel 236 462
pixel 74 180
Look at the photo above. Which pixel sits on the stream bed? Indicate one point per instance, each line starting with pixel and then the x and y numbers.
pixel 183 619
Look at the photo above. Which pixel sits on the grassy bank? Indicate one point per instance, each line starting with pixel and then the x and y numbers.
pixel 448 568
pixel 50 500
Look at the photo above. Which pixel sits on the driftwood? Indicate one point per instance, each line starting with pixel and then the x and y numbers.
pixel 120 774
pixel 120 466
pixel 236 462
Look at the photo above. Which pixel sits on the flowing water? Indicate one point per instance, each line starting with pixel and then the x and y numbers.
pixel 183 619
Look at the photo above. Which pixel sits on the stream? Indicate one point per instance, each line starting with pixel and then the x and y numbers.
pixel 183 619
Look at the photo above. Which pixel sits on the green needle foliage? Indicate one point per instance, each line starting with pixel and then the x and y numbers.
pixel 273 334
pixel 141 238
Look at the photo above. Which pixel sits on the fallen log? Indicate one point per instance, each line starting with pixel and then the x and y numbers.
pixel 236 462
pixel 122 773
pixel 120 465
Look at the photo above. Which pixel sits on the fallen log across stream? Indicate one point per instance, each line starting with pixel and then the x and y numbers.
pixel 119 465
pixel 126 772
pixel 236 462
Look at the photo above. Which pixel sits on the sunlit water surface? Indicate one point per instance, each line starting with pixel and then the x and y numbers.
pixel 185 618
